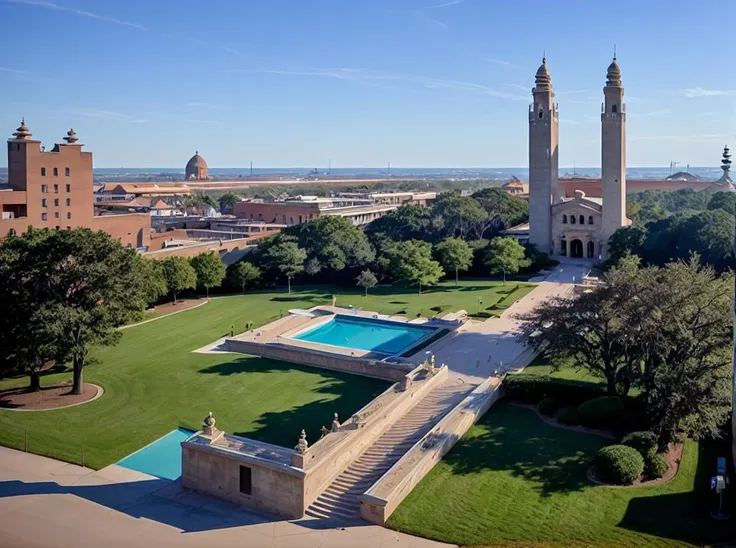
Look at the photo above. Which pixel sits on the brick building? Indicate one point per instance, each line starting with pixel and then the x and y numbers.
pixel 54 189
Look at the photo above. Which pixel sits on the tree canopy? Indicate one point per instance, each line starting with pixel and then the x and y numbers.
pixel 281 253
pixel 505 255
pixel 243 274
pixel 210 270
pixel 462 216
pixel 179 275
pixel 454 254
pixel 503 210
pixel 366 280
pixel 411 262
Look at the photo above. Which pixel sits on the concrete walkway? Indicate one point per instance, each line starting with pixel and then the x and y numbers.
pixel 48 503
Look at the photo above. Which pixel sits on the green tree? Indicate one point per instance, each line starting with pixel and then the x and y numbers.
pixel 366 280
pixel 503 210
pixel 723 200
pixel 198 204
pixel 179 275
pixel 87 284
pixel 408 222
pixel 244 274
pixel 227 201
pixel 210 270
pixel 454 254
pixel 332 243
pixel 462 216
pixel 154 281
pixel 629 239
pixel 411 262
pixel 283 254
pixel 505 255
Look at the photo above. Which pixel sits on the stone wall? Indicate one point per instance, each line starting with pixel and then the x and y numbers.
pixel 379 502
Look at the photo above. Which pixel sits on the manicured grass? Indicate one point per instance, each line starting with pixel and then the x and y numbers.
pixel 542 367
pixel 514 480
pixel 154 383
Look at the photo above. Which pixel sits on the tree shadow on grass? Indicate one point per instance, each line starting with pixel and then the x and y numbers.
pixel 299 298
pixel 282 427
pixel 513 439
pixel 686 516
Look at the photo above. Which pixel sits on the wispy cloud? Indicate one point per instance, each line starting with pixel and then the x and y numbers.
pixel 99 114
pixel 445 4
pixel 15 71
pixel 431 23
pixel 525 89
pixel 82 13
pixel 202 105
pixel 503 63
pixel 701 92
pixel 368 77
pixel 651 114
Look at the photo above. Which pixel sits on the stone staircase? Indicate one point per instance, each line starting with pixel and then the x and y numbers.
pixel 340 499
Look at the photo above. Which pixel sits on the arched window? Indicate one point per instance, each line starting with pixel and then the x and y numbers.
pixel 614 109
pixel 572 219
pixel 582 219
pixel 590 220
pixel 564 219
pixel 541 114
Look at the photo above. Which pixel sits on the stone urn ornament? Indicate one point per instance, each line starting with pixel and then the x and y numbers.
pixel 335 424
pixel 209 425
pixel 303 444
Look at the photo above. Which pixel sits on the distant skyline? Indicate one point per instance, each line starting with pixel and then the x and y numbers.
pixel 416 83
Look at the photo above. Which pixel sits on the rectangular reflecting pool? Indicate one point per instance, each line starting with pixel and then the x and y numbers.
pixel 368 334
pixel 162 458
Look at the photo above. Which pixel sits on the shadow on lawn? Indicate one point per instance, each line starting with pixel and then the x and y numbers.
pixel 556 461
pixel 336 392
pixel 686 516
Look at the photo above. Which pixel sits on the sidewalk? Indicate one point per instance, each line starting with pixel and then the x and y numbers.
pixel 48 503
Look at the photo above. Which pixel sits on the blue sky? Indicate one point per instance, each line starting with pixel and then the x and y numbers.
pixel 419 83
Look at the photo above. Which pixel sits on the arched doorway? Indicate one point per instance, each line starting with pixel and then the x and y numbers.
pixel 576 248
pixel 591 250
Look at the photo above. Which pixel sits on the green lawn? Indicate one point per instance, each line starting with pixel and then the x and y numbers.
pixel 153 383
pixel 514 480
pixel 542 367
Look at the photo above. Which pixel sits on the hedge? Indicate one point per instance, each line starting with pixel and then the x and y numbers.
pixel 645 442
pixel 547 406
pixel 619 464
pixel 656 467
pixel 601 412
pixel 532 389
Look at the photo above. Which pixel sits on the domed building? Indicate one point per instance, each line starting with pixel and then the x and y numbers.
pixel 196 169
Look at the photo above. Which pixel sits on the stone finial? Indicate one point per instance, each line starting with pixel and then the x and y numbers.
pixel 71 137
pixel 335 424
pixel 303 444
pixel 209 425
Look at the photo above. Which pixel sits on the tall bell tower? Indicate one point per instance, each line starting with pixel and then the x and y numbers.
pixel 543 161
pixel 613 155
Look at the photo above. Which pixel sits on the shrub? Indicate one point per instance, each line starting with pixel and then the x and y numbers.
pixel 619 464
pixel 569 416
pixel 600 412
pixel 656 467
pixel 547 406
pixel 532 388
pixel 644 442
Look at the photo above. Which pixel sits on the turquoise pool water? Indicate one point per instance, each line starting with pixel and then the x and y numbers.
pixel 162 458
pixel 367 334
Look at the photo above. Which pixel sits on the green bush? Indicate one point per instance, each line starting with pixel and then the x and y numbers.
pixel 569 416
pixel 619 464
pixel 656 467
pixel 600 412
pixel 547 406
pixel 644 442
pixel 532 388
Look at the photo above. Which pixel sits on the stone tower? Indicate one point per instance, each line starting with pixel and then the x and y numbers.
pixel 543 161
pixel 613 156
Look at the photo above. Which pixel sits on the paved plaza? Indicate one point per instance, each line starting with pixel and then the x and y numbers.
pixel 45 503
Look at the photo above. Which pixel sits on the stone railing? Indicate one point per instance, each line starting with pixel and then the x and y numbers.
pixel 379 502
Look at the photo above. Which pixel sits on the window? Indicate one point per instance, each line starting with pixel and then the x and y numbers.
pixel 44 189
pixel 68 187
pixel 56 172
pixel 590 220
pixel 564 219
pixel 68 215
pixel 614 109
pixel 67 171
pixel 56 189
pixel 43 202
pixel 582 220
pixel 43 172
pixel 246 480
pixel 572 219
pixel 43 216
pixel 69 202
pixel 56 202
pixel 563 247
pixel 56 214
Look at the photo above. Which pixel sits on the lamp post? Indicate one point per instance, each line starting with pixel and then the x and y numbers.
pixel 480 303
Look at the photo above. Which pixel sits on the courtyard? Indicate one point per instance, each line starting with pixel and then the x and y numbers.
pixel 154 383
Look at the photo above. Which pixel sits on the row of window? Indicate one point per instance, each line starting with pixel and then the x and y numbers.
pixel 56 202
pixel 572 219
pixel 45 188
pixel 67 172
pixel 45 217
